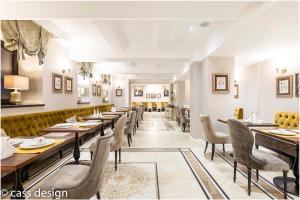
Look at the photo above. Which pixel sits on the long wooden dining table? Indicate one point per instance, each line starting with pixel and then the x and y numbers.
pixel 285 145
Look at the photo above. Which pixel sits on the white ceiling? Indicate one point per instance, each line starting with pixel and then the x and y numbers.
pixel 155 40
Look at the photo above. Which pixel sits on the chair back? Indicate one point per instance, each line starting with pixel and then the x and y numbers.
pixel 95 175
pixel 242 142
pixel 207 129
pixel 149 105
pixel 118 133
pixel 183 115
pixel 139 111
pixel 131 123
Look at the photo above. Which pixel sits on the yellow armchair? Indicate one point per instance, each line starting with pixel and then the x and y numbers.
pixel 238 113
pixel 288 120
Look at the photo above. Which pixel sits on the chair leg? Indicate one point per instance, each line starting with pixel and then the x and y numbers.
pixel 213 151
pixel 91 155
pixel 249 181
pixel 120 155
pixel 285 184
pixel 128 140
pixel 257 175
pixel 116 160
pixel 183 127
pixel 223 148
pixel 98 195
pixel 61 153
pixel 234 170
pixel 206 144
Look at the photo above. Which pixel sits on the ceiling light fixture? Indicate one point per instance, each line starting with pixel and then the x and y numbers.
pixel 204 24
pixel 191 29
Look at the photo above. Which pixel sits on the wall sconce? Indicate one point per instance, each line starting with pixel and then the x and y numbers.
pixel 66 70
pixel 280 71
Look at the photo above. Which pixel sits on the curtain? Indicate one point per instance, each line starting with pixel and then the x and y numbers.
pixel 25 36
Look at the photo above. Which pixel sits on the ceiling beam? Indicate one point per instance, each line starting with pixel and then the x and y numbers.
pixel 113 32
pixel 127 10
pixel 51 27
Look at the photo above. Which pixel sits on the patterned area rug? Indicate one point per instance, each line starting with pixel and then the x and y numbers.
pixel 130 181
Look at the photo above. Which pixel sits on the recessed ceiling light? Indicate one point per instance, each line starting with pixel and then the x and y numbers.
pixel 191 29
pixel 204 24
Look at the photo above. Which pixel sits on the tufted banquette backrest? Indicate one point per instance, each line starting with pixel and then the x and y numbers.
pixel 288 120
pixel 32 124
pixel 238 113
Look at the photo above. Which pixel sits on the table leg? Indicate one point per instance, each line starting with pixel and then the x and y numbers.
pixel 76 153
pixel 102 131
pixel 18 187
pixel 112 123
pixel 292 183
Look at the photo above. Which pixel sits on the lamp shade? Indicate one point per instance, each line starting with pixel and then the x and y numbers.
pixel 16 82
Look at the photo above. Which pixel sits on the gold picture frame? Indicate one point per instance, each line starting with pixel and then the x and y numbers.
pixel 220 83
pixel 236 91
pixel 284 86
pixel 94 89
pixel 68 85
pixel 98 90
pixel 119 92
pixel 57 83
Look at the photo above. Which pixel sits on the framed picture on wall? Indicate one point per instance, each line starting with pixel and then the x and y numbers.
pixel 166 93
pixel 236 91
pixel 98 90
pixel 94 89
pixel 284 86
pixel 68 85
pixel 138 93
pixel 148 96
pixel 57 83
pixel 153 96
pixel 297 85
pixel 158 95
pixel 118 92
pixel 220 83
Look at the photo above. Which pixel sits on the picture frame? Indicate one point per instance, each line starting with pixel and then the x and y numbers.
pixel 119 92
pixel 138 93
pixel 297 85
pixel 68 85
pixel 153 96
pixel 94 89
pixel 236 91
pixel 220 83
pixel 284 86
pixel 166 93
pixel 57 83
pixel 148 96
pixel 98 90
pixel 158 95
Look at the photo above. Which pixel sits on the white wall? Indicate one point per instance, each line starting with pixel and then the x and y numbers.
pixel 258 88
pixel 57 57
pixel 122 83
pixel 149 89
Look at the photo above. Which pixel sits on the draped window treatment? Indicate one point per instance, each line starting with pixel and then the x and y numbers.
pixel 25 36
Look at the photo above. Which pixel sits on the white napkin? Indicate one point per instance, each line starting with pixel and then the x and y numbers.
pixel 7 150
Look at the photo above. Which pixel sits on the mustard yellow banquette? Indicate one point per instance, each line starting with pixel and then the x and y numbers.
pixel 238 113
pixel 288 120
pixel 32 124
pixel 145 104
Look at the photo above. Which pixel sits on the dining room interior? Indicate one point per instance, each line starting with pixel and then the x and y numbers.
pixel 149 99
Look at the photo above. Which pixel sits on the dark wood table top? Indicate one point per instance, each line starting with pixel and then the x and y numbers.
pixel 291 139
pixel 113 113
pixel 103 117
pixel 17 161
pixel 251 124
pixel 75 128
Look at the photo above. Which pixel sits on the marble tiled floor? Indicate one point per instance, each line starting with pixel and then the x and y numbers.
pixel 184 172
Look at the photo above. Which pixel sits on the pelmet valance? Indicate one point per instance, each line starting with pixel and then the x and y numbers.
pixel 26 37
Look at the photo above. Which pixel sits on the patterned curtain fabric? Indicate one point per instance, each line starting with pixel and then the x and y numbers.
pixel 26 37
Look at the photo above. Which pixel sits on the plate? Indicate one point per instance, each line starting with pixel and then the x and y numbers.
pixel 32 145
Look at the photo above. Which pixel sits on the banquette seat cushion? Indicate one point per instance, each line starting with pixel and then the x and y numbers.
pixel 288 120
pixel 32 124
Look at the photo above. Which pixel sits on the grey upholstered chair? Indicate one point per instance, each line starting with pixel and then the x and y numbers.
pixel 117 142
pixel 243 153
pixel 184 119
pixel 138 115
pixel 177 114
pixel 211 136
pixel 129 129
pixel 83 180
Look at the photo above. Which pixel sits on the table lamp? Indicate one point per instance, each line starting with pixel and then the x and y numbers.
pixel 17 83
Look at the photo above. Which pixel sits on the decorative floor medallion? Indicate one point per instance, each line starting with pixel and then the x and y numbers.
pixel 130 181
